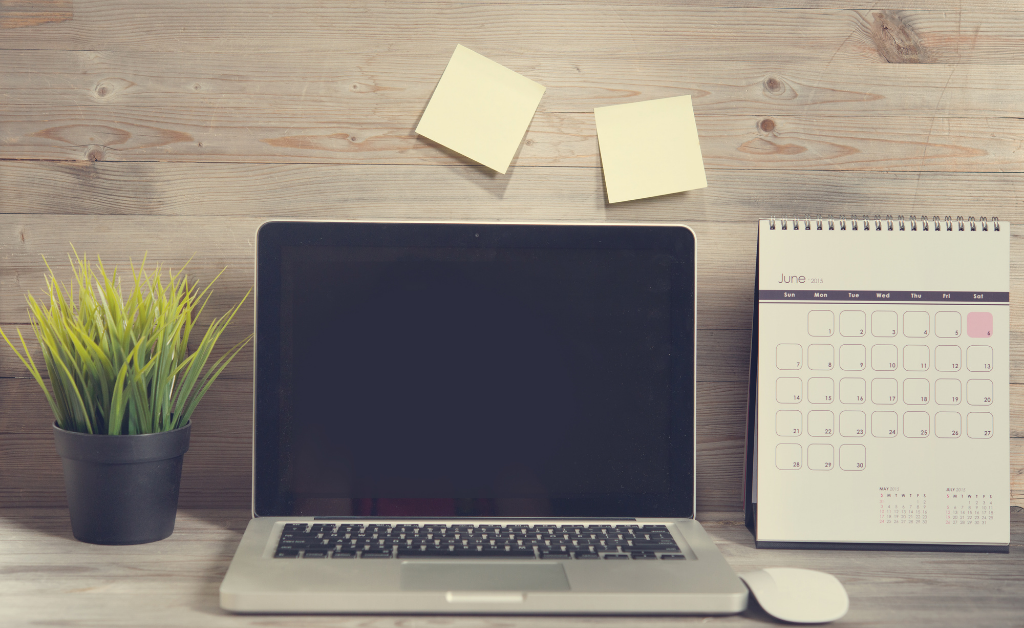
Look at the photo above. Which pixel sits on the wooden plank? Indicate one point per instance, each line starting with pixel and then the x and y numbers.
pixel 26 13
pixel 217 467
pixel 510 32
pixel 553 139
pixel 335 191
pixel 211 89
pixel 51 579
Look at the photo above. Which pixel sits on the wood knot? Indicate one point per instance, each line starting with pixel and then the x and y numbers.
pixel 109 87
pixel 773 85
pixel 767 125
pixel 528 142
pixel 197 87
pixel 895 39
pixel 95 155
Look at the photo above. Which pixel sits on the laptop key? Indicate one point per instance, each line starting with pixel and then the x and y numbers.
pixel 655 546
pixel 429 552
pixel 343 554
pixel 515 553
pixel 673 557
pixel 315 554
pixel 287 553
pixel 616 556
pixel 376 553
pixel 554 555
pixel 587 555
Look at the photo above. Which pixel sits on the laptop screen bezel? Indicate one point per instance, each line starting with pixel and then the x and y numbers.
pixel 273 236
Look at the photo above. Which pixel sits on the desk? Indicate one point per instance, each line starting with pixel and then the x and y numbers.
pixel 48 578
pixel 177 127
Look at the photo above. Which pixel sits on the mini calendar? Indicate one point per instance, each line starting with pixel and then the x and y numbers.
pixel 880 384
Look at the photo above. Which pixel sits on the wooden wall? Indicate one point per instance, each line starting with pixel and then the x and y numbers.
pixel 175 128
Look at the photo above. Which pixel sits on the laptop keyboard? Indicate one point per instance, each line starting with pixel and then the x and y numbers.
pixel 565 542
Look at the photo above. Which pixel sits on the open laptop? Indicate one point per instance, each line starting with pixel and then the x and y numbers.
pixel 475 418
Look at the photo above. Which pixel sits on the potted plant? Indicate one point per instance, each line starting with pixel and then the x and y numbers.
pixel 123 387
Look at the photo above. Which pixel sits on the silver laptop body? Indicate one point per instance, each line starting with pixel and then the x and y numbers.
pixel 572 493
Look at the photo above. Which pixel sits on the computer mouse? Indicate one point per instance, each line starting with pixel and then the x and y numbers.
pixel 802 596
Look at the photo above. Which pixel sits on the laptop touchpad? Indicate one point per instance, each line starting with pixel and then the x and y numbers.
pixel 432 576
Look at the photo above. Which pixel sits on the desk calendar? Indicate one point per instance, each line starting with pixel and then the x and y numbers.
pixel 880 385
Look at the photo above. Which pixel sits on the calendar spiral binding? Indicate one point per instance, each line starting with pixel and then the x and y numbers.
pixel 888 223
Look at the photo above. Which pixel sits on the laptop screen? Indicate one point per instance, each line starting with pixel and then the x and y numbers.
pixel 449 370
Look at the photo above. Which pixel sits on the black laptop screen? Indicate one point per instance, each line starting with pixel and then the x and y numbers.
pixel 474 370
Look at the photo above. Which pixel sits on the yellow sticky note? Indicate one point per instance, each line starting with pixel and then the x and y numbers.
pixel 649 148
pixel 480 109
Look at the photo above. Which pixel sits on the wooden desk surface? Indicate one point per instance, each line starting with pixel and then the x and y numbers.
pixel 47 578
pixel 176 128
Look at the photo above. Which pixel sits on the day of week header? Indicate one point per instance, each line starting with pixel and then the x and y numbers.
pixel 879 295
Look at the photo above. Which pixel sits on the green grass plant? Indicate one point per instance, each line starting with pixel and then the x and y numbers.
pixel 120 364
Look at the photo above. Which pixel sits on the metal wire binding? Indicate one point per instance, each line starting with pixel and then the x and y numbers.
pixel 901 221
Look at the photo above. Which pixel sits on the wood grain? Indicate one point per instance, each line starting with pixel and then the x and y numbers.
pixel 50 579
pixel 553 139
pixel 340 192
pixel 513 36
pixel 295 87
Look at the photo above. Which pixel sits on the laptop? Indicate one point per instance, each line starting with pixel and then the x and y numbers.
pixel 475 418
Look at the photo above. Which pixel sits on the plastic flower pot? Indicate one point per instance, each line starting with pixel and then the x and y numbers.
pixel 122 490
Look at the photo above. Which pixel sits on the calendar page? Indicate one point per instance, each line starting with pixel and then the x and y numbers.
pixel 883 382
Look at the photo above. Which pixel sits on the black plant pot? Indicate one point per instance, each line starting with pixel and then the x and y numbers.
pixel 122 490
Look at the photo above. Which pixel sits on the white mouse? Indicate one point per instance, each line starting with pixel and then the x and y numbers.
pixel 798 595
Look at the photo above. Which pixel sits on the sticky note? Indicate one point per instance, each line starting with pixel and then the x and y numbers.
pixel 480 109
pixel 649 148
